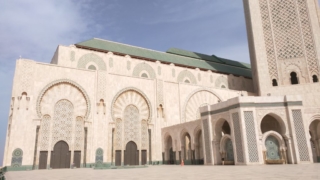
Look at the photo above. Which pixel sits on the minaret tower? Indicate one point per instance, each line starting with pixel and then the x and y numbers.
pixel 284 43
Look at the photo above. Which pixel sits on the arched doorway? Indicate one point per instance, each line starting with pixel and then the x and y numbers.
pixel 314 130
pixel 223 153
pixel 170 154
pixel 60 156
pixel 273 132
pixel 131 154
pixel 186 148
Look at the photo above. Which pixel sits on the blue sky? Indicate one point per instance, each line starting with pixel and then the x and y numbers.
pixel 33 29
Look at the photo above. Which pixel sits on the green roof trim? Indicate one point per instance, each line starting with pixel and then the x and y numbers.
pixel 196 55
pixel 189 59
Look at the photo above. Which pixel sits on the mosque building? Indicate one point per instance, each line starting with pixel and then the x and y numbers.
pixel 101 103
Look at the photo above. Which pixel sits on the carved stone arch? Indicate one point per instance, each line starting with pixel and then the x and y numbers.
pixel 294 68
pixel 282 123
pixel 183 133
pixel 63 89
pixel 144 67
pixel 186 74
pixel 166 137
pixel 223 142
pixel 222 81
pixel 87 58
pixel 196 99
pixel 277 136
pixel 132 96
pixel 218 127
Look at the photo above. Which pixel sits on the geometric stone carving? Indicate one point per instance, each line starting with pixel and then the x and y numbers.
pixel 131 96
pixel 144 134
pixel 87 58
pixel 301 135
pixel 160 92
pixel 132 126
pixel 25 77
pixel 186 74
pixel 79 134
pixel 195 101
pixel 16 160
pixel 54 93
pixel 251 137
pixel 62 122
pixel 238 137
pixel 45 132
pixel 118 134
pixel 102 84
pixel 222 81
pixel 144 67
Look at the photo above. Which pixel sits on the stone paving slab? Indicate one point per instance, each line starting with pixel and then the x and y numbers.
pixel 175 172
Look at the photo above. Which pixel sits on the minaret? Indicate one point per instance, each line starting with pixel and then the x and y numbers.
pixel 284 43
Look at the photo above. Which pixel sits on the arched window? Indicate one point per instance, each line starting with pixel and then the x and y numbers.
pixel 186 81
pixel 294 78
pixel 274 82
pixel 315 78
pixel 92 67
pixel 144 75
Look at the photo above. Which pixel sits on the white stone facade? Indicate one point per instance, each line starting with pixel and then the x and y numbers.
pixel 97 103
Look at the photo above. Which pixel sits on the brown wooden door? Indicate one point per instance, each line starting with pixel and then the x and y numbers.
pixel 61 155
pixel 77 158
pixel 143 157
pixel 118 157
pixel 131 154
pixel 43 159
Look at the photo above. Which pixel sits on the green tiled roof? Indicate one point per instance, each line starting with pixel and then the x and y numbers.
pixel 173 55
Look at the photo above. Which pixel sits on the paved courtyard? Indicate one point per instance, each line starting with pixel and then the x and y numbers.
pixel 166 172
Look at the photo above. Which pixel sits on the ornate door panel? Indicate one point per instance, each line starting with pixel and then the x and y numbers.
pixel 43 159
pixel 77 158
pixel 118 157
pixel 131 154
pixel 272 146
pixel 143 157
pixel 60 157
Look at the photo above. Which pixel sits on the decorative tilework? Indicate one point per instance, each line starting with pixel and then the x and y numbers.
pixel 16 160
pixel 187 74
pixel 102 84
pixel 144 134
pixel 25 76
pixel 301 135
pixel 143 67
pixel 87 58
pixel 99 157
pixel 79 133
pixel 238 137
pixel 268 38
pixel 118 135
pixel 62 122
pixel 207 140
pixel 132 126
pixel 308 38
pixel 45 133
pixel 251 137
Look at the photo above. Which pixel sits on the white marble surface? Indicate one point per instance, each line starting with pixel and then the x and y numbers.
pixel 269 172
